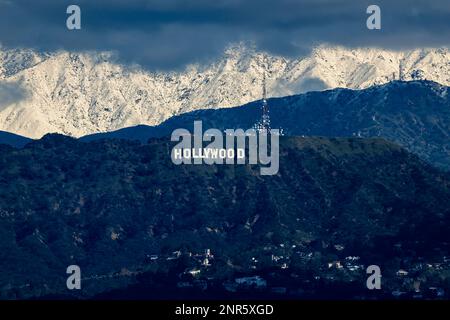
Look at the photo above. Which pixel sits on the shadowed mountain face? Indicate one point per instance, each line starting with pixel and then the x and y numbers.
pixel 13 139
pixel 107 205
pixel 414 114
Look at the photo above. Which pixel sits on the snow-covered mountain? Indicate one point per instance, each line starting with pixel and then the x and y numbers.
pixel 83 93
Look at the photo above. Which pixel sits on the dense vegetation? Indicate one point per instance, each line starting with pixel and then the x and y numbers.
pixel 107 205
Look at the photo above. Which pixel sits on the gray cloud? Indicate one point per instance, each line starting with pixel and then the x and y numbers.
pixel 170 33
pixel 310 84
pixel 11 92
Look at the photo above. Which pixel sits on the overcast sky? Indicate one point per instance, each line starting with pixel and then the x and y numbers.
pixel 168 34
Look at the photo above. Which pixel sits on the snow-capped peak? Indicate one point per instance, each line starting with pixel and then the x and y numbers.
pixel 84 93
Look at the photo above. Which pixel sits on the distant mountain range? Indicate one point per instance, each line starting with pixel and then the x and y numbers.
pixel 84 93
pixel 119 208
pixel 414 114
pixel 363 173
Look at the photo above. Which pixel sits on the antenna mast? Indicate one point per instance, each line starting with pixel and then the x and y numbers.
pixel 400 71
pixel 265 118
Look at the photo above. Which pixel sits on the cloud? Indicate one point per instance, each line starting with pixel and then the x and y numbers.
pixel 10 93
pixel 171 33
pixel 309 84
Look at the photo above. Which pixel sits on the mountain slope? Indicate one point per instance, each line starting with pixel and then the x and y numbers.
pixel 13 139
pixel 79 94
pixel 109 205
pixel 413 114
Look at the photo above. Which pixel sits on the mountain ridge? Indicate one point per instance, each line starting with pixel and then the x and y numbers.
pixel 13 140
pixel 83 93
pixel 414 114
